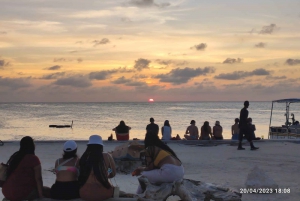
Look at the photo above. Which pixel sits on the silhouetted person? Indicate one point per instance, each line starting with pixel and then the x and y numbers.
pixel 244 127
pixel 152 127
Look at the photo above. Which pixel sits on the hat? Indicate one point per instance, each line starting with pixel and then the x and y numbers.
pixel 95 139
pixel 70 145
pixel 217 123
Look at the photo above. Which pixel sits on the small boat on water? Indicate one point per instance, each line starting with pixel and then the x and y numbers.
pixel 61 126
pixel 291 129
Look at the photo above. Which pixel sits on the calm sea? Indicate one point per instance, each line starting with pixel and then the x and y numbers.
pixel 33 119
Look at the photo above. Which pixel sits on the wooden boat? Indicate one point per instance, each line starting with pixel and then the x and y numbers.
pixel 61 126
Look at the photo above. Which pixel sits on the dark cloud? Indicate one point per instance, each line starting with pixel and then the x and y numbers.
pixel 260 45
pixel 3 63
pixel 56 67
pixel 128 82
pixel 103 41
pixel 79 60
pixel 53 76
pixel 180 76
pixel 201 46
pixel 236 75
pixel 148 3
pixel 170 62
pixel 101 75
pixel 268 29
pixel 60 60
pixel 232 61
pixel 105 74
pixel 14 83
pixel 77 81
pixel 141 64
pixel 276 77
pixel 292 62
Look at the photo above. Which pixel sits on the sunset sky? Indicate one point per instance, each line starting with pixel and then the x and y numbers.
pixel 133 50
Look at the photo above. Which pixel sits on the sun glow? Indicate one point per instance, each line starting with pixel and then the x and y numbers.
pixel 151 100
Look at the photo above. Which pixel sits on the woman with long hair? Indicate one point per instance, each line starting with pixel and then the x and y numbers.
pixel 96 168
pixel 24 174
pixel 66 186
pixel 162 164
pixel 166 131
pixel 205 131
pixel 217 131
pixel 122 131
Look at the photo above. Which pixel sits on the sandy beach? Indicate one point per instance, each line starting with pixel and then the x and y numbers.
pixel 221 164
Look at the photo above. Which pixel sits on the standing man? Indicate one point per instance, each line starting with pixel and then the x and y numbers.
pixel 244 127
pixel 152 127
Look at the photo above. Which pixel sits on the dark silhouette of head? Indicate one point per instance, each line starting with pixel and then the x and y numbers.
pixel 122 123
pixel 193 122
pixel 246 104
pixel 167 123
pixel 249 120
pixel 237 120
pixel 206 126
pixel 152 120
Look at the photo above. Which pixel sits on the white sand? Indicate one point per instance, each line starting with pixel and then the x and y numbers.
pixel 221 164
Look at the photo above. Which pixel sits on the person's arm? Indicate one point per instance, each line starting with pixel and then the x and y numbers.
pixel 232 130
pixel 39 180
pixel 171 131
pixel 187 130
pixel 162 131
pixel 114 129
pixel 129 127
pixel 111 164
pixel 254 128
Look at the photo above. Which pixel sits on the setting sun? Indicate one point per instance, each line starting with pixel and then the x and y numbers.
pixel 151 100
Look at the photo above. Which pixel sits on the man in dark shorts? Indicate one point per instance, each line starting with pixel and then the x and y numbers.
pixel 244 127
pixel 152 127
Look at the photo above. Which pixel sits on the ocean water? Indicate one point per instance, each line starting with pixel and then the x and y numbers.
pixel 33 119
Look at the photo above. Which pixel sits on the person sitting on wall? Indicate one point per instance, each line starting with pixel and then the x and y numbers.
pixel 122 131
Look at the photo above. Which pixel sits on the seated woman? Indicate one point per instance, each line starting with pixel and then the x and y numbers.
pixel 95 169
pixel 235 129
pixel 205 131
pixel 217 131
pixel 66 186
pixel 166 131
pixel 24 174
pixel 122 131
pixel 162 164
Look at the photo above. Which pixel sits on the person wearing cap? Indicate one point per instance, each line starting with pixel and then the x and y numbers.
pixel 152 127
pixel 192 132
pixel 66 186
pixel 205 131
pixel 166 131
pixel 217 131
pixel 96 167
